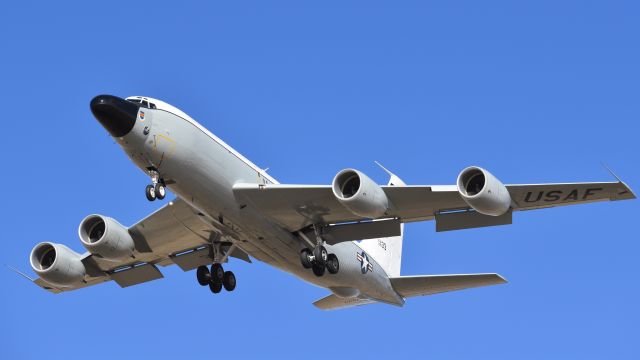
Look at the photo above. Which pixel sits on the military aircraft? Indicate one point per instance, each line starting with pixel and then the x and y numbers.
pixel 345 236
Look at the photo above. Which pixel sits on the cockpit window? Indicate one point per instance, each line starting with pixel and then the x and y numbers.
pixel 143 102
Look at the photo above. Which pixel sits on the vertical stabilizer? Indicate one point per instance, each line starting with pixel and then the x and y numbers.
pixel 387 252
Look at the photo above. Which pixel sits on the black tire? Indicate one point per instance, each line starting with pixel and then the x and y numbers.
pixel 150 192
pixel 229 281
pixel 161 191
pixel 320 254
pixel 318 269
pixel 304 258
pixel 215 287
pixel 203 275
pixel 217 273
pixel 333 265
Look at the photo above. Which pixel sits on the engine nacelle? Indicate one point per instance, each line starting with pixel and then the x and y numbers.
pixel 105 237
pixel 361 195
pixel 483 191
pixel 57 264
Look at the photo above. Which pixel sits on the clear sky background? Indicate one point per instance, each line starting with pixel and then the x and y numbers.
pixel 539 91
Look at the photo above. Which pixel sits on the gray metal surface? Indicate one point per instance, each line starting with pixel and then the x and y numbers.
pixel 137 275
pixel 335 234
pixel 410 286
pixel 470 219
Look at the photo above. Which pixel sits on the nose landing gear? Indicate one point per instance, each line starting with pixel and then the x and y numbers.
pixel 216 278
pixel 157 189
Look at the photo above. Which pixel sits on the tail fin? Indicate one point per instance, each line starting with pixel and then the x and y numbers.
pixel 387 252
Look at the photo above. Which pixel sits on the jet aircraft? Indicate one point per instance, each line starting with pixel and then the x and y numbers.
pixel 345 236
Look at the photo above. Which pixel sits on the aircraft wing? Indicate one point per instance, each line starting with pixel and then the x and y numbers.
pixel 298 206
pixel 175 234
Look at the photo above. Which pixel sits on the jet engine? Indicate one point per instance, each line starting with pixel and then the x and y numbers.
pixel 105 237
pixel 358 193
pixel 483 191
pixel 57 264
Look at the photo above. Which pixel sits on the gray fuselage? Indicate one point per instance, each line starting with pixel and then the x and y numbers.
pixel 201 169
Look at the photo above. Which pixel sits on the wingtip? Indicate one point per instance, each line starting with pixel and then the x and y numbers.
pixel 626 193
pixel 631 195
pixel 501 279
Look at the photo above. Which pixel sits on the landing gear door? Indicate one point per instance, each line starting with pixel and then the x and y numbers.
pixel 163 148
pixel 160 145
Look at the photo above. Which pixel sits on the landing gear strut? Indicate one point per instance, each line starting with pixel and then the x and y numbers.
pixel 319 259
pixel 216 278
pixel 157 189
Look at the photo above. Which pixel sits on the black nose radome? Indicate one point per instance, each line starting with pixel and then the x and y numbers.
pixel 117 115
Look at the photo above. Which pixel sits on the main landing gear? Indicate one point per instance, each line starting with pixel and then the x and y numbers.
pixel 319 259
pixel 157 189
pixel 216 278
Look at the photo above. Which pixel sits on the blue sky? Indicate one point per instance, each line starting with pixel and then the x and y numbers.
pixel 540 91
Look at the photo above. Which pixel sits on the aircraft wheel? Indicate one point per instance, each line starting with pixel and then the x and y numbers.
pixel 215 287
pixel 229 281
pixel 160 191
pixel 318 269
pixel 320 254
pixel 203 275
pixel 150 191
pixel 333 265
pixel 217 273
pixel 304 258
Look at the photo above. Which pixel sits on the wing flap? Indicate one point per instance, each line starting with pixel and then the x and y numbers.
pixel 469 219
pixel 421 285
pixel 334 234
pixel 192 259
pixel 136 275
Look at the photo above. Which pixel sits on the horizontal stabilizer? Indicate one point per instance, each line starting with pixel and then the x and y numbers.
pixel 410 286
pixel 333 302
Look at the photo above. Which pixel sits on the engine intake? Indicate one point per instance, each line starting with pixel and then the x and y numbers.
pixel 105 237
pixel 483 191
pixel 358 193
pixel 57 264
